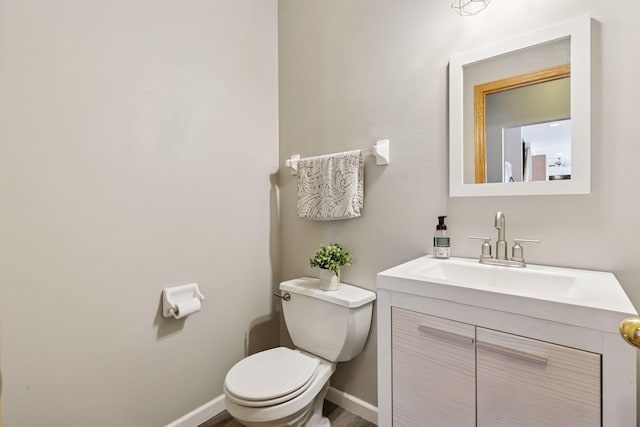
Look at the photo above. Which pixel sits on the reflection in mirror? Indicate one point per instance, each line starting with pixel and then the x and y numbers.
pixel 506 98
pixel 531 85
pixel 517 101
pixel 536 152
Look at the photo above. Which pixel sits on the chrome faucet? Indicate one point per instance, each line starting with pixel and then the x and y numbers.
pixel 517 258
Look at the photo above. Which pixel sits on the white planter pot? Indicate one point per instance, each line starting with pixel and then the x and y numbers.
pixel 328 280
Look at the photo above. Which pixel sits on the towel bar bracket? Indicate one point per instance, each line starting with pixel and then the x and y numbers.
pixel 380 150
pixel 292 163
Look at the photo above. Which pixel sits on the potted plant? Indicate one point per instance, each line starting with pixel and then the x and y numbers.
pixel 330 258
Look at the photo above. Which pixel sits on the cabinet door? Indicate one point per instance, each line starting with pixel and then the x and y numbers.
pixel 433 371
pixel 524 382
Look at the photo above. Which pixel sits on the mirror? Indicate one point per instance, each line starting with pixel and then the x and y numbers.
pixel 520 115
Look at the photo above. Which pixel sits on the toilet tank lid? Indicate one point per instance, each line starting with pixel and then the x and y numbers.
pixel 346 295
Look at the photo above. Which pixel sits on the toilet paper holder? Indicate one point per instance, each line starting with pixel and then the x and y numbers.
pixel 175 296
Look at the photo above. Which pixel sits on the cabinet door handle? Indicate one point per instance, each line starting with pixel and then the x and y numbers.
pixel 519 354
pixel 446 334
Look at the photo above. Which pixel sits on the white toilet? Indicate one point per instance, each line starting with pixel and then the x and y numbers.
pixel 284 387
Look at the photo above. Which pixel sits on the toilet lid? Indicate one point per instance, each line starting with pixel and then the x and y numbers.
pixel 271 375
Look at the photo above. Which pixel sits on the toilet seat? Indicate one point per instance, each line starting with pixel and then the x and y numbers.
pixel 285 412
pixel 270 377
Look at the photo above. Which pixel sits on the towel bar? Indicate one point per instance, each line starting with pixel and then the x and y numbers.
pixel 380 150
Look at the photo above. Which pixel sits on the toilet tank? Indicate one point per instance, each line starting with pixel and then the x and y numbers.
pixel 331 324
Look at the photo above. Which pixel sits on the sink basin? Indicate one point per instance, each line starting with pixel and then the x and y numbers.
pixel 516 281
pixel 578 297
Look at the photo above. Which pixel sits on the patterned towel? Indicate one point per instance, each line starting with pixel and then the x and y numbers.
pixel 331 187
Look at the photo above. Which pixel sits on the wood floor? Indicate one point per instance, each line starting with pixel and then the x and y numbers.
pixel 338 416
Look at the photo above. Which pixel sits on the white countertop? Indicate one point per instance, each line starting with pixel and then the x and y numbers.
pixel 589 299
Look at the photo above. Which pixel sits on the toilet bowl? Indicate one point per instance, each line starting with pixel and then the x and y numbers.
pixel 278 387
pixel 285 387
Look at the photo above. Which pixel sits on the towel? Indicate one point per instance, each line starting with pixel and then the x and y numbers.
pixel 331 187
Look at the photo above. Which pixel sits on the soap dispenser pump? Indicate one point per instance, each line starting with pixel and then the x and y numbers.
pixel 441 242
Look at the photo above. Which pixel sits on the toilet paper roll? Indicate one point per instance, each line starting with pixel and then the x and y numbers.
pixel 185 308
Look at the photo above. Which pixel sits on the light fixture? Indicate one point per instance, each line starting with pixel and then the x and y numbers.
pixel 468 7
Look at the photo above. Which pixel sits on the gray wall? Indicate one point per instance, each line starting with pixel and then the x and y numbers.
pixel 355 71
pixel 137 144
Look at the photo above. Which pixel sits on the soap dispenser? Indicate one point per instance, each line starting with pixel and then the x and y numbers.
pixel 441 242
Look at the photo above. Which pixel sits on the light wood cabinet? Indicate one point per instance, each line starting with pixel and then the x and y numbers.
pixel 450 373
pixel 433 359
pixel 524 382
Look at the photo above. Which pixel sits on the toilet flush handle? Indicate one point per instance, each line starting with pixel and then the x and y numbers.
pixel 286 296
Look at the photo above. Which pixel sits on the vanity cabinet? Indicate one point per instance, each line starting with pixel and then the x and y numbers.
pixel 450 373
pixel 463 343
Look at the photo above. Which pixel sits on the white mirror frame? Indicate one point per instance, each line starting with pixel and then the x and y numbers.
pixel 579 30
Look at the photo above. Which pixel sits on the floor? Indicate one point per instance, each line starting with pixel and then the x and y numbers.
pixel 338 416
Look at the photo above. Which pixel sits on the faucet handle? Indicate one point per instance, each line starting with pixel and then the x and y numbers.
pixel 517 253
pixel 486 247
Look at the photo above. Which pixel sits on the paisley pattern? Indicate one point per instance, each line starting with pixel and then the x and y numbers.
pixel 331 187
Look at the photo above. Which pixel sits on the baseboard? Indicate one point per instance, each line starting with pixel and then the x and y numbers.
pixel 201 414
pixel 353 404
pixel 216 406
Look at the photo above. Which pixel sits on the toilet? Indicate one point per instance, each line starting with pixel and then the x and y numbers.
pixel 285 387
